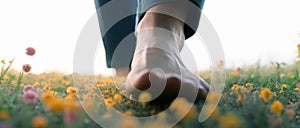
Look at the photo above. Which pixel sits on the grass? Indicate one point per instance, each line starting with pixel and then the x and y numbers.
pixel 261 97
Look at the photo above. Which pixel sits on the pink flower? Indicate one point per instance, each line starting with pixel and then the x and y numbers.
pixel 26 68
pixel 30 51
pixel 30 96
pixel 70 116
pixel 28 87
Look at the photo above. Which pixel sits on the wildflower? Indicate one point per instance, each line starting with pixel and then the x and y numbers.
pixel 30 51
pixel 213 97
pixel 181 107
pixel 128 113
pixel 256 92
pixel 72 105
pixel 118 98
pixel 4 115
pixel 230 120
pixel 55 105
pixel 109 102
pixel 65 82
pixel 71 90
pixel 290 113
pixel 5 78
pixel 3 61
pixel 26 68
pixel 283 86
pixel 47 87
pixel 240 90
pixel 39 122
pixel 70 116
pixel 30 96
pixel 248 85
pixel 28 87
pixel 162 116
pixel 234 87
pixel 36 84
pixel 281 92
pixel 145 97
pixel 47 96
pixel 240 99
pixel 276 107
pixel 266 94
pixel 70 97
pixel 297 89
pixel 192 114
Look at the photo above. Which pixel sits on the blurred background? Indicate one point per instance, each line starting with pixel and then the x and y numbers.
pixel 251 31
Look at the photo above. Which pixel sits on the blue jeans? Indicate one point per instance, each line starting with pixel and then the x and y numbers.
pixel 127 13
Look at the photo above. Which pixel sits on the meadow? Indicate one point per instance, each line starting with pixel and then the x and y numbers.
pixel 254 97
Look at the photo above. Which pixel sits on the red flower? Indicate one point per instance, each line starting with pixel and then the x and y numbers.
pixel 30 51
pixel 26 68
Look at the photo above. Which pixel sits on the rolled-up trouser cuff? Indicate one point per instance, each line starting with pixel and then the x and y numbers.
pixel 191 20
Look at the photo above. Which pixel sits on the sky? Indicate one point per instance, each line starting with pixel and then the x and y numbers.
pixel 250 30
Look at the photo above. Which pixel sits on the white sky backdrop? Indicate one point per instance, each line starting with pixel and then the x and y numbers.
pixel 250 30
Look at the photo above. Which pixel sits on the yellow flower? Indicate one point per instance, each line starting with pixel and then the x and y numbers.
pixel 256 92
pixel 283 86
pixel 266 94
pixel 39 122
pixel 213 97
pixel 191 115
pixel 3 61
pixel 72 105
pixel 4 115
pixel 145 97
pixel 70 97
pixel 109 102
pixel 276 107
pixel 234 87
pixel 65 82
pixel 297 89
pixel 56 105
pixel 118 98
pixel 47 87
pixel 281 91
pixel 128 113
pixel 71 90
pixel 36 84
pixel 182 108
pixel 230 120
pixel 214 113
pixel 248 85
pixel 5 78
pixel 47 96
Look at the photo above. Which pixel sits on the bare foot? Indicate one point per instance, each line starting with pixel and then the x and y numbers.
pixel 158 69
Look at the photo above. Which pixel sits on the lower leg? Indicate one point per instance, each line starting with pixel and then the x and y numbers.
pixel 159 40
pixel 122 72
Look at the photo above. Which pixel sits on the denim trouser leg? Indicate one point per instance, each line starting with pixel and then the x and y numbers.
pixel 117 24
pixel 118 19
